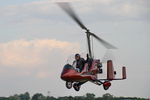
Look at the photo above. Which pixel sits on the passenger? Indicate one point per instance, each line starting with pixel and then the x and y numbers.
pixel 79 62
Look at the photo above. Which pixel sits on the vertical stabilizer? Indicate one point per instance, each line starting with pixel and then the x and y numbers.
pixel 123 72
pixel 110 70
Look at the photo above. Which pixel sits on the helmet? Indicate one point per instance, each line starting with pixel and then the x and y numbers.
pixel 77 55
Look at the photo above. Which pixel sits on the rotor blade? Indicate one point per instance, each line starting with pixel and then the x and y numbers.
pixel 68 9
pixel 108 56
pixel 103 42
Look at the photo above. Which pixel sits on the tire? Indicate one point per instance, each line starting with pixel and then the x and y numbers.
pixel 106 85
pixel 76 87
pixel 69 85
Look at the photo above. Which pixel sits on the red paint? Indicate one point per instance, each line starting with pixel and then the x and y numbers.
pixel 70 74
pixel 124 73
pixel 107 84
pixel 110 70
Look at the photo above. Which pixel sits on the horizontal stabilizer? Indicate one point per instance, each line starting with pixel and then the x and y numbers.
pixel 111 72
pixel 123 74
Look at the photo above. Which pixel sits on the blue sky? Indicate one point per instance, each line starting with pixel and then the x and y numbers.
pixel 37 37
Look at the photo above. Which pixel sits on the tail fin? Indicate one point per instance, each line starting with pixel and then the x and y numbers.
pixel 110 70
pixel 123 72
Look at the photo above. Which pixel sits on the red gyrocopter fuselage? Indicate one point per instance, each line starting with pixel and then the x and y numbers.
pixel 89 73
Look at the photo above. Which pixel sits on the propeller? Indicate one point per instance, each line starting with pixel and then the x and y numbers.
pixel 103 42
pixel 69 10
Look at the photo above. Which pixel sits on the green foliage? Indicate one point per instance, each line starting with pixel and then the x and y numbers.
pixel 50 98
pixel 107 96
pixel 88 96
pixel 4 98
pixel 25 96
pixel 38 96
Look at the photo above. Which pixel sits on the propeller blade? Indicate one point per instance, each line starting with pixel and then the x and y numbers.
pixel 103 42
pixel 68 9
pixel 108 56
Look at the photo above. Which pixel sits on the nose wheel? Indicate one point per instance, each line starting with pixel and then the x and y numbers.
pixel 106 85
pixel 69 85
pixel 76 86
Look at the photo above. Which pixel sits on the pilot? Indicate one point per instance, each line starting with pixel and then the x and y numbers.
pixel 79 62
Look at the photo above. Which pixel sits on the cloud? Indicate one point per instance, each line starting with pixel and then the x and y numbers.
pixel 36 64
pixel 37 58
pixel 129 10
pixel 106 9
pixel 31 53
pixel 42 74
pixel 116 10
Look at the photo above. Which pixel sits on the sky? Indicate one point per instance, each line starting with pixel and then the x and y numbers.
pixel 37 38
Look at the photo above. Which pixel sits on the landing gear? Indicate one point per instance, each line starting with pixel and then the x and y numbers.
pixel 106 85
pixel 69 85
pixel 99 66
pixel 76 86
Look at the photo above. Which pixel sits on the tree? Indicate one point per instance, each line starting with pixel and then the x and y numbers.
pixel 50 98
pixel 90 96
pixel 4 98
pixel 15 97
pixel 25 96
pixel 63 98
pixel 107 96
pixel 38 96
pixel 79 98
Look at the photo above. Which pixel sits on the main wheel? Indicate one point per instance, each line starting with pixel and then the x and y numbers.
pixel 106 85
pixel 69 85
pixel 76 86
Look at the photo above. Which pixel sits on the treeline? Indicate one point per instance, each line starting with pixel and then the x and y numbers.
pixel 88 96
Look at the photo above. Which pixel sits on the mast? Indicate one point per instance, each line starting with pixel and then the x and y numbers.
pixel 89 44
pixel 68 9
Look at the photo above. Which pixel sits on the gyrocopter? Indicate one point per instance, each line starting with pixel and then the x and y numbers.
pixel 92 67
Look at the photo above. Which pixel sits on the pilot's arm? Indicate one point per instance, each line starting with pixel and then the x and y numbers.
pixel 74 64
